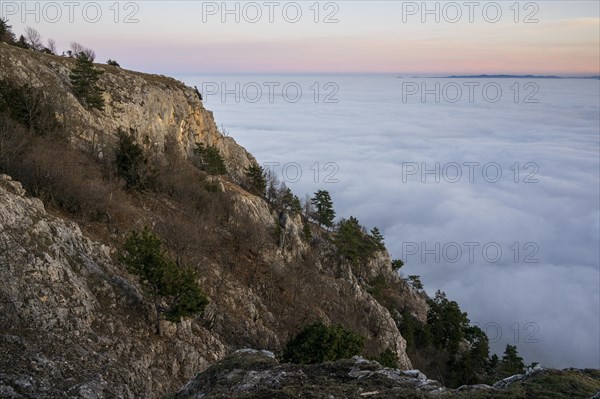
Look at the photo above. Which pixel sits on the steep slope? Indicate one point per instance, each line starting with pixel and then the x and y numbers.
pixel 74 321
pixel 71 323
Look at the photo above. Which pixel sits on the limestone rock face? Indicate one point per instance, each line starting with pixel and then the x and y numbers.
pixel 71 325
pixel 156 109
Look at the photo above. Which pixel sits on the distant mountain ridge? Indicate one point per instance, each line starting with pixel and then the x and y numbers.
pixel 504 76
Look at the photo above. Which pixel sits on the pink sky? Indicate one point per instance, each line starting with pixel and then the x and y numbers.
pixel 370 36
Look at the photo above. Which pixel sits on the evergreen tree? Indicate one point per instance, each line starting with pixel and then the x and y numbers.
pixel 407 329
pixel 28 106
pixel 377 239
pixel 479 348
pixel 6 33
pixel 511 363
pixel 397 264
pixel 306 233
pixel 472 366
pixel 494 362
pixel 415 282
pixel 143 255
pixel 324 212
pixel 22 42
pixel 352 243
pixel 295 206
pixel 130 161
pixel 211 160
pixel 284 197
pixel 258 181
pixel 446 322
pixel 84 79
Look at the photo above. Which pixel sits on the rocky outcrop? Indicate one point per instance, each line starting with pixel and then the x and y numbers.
pixel 251 374
pixel 255 374
pixel 156 109
pixel 72 324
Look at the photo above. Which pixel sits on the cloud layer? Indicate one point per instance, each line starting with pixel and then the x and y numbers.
pixel 519 251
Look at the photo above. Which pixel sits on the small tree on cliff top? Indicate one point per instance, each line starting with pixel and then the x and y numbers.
pixel 84 79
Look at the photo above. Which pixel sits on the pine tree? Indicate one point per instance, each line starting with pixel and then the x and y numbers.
pixel 211 160
pixel 84 79
pixel 306 233
pixel 284 197
pixel 256 175
pixel 352 243
pixel 512 363
pixel 324 212
pixel 407 329
pixel 6 34
pixel 415 282
pixel 130 162
pixel 22 42
pixel 397 264
pixel 296 206
pixel 160 276
pixel 494 361
pixel 377 239
pixel 445 319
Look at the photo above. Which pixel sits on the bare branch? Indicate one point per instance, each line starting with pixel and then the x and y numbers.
pixel 34 39
pixel 77 49
pixel 52 46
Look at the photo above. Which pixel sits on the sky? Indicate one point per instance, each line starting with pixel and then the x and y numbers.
pixel 368 138
pixel 434 37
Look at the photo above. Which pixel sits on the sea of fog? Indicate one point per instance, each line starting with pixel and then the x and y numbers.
pixel 486 188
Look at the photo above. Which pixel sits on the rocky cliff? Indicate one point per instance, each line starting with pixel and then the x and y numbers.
pixel 74 323
pixel 154 108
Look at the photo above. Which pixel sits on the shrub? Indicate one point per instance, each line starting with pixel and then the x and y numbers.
pixel 22 42
pixel 27 106
pixel 319 343
pixel 62 176
pixel 211 160
pixel 387 358
pixel 113 63
pixel 161 277
pixel 130 161
pixel 84 79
